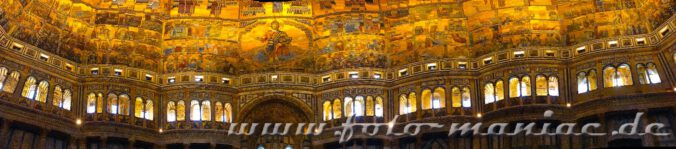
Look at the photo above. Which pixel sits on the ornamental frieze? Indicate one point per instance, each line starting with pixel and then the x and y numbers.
pixel 12 65
pixel 615 60
pixel 459 82
pixel 407 89
pixel 547 70
pixel 519 70
pixel 643 59
pixel 586 66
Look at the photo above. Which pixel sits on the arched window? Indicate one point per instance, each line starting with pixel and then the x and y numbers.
pixel 591 77
pixel 610 77
pixel 586 82
pixel 67 97
pixel 349 111
pixel 499 91
pixel 337 108
pixel 514 87
pixel 354 107
pixel 3 76
pixel 439 98
pixel 327 111
pixel 11 82
pixel 228 112
pixel 29 88
pixel 648 75
pixel 124 105
pixel 112 103
pixel 541 85
pixel 466 98
pixel 404 106
pixel 206 110
pixel 57 100
pixel 99 103
pixel 358 109
pixel 613 77
pixel 171 111
pixel 369 106
pixel 379 107
pixel 525 86
pixel 412 100
pixel 91 103
pixel 220 116
pixel 138 107
pixel 149 112
pixel 553 86
pixel 180 111
pixel 426 98
pixel 625 73
pixel 195 111
pixel 42 91
pixel 456 99
pixel 489 93
pixel 582 83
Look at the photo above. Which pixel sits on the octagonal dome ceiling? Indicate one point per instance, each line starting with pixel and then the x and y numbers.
pixel 241 36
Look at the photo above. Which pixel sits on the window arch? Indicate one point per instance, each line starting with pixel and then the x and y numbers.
pixel 586 82
pixel 29 88
pixel 171 111
pixel 42 91
pixel 426 98
pixel 519 88
pixel 369 106
pixel 616 77
pixel 123 104
pixel 404 106
pixel 3 76
pixel 195 111
pixel 466 98
pixel 67 97
pixel 91 103
pixel 180 111
pixel 456 99
pixel 138 107
pixel 648 74
pixel 525 86
pixel 327 111
pixel 220 116
pixel 439 98
pixel 553 86
pixel 112 104
pixel 206 110
pixel 582 83
pixel 228 112
pixel 337 109
pixel 99 103
pixel 499 91
pixel 514 87
pixel 349 111
pixel 591 77
pixel 489 93
pixel 354 107
pixel 57 100
pixel 358 109
pixel 379 107
pixel 149 110
pixel 11 82
pixel 541 85
pixel 412 100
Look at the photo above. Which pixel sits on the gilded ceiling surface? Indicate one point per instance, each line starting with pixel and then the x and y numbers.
pixel 240 36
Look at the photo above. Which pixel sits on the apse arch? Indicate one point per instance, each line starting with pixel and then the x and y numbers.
pixel 246 109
